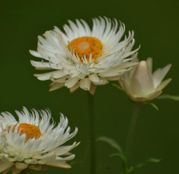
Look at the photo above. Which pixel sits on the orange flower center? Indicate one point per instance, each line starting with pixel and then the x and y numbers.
pixel 30 130
pixel 86 47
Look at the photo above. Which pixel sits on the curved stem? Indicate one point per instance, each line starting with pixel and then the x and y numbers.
pixel 132 128
pixel 92 134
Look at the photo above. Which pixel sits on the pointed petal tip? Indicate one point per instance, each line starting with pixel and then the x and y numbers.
pixel 51 90
pixel 169 66
pixel 31 51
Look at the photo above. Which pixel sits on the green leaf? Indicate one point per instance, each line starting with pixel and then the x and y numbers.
pixel 111 142
pixel 115 155
pixel 154 106
pixel 170 97
pixel 117 147
pixel 141 165
pixel 119 155
pixel 153 160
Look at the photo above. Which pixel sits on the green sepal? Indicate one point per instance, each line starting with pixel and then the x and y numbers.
pixel 116 86
pixel 168 96
pixel 154 106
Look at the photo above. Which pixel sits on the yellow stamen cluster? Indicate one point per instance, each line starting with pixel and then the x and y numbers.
pixel 86 47
pixel 30 130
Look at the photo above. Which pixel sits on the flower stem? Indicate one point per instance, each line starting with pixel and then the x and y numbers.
pixel 132 128
pixel 92 134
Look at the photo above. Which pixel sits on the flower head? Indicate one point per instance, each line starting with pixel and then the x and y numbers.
pixel 34 141
pixel 80 56
pixel 141 84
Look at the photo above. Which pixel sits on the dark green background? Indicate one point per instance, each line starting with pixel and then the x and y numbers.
pixel 156 27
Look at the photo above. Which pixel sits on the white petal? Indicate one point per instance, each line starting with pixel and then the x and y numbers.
pixel 65 149
pixel 37 167
pixel 35 53
pixel 66 158
pixel 109 73
pixel 50 75
pixel 111 69
pixel 71 82
pixel 44 65
pixel 4 165
pixel 56 163
pixel 54 86
pixel 141 81
pixel 44 76
pixel 92 89
pixel 85 84
pixel 97 80
pixel 7 119
pixel 150 64
pixel 159 75
pixel 75 87
pixel 164 84
pixel 94 78
pixel 21 166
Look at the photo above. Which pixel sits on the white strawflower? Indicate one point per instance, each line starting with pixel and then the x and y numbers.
pixel 80 56
pixel 34 141
pixel 141 84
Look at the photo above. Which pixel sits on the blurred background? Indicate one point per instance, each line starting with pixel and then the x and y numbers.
pixel 156 27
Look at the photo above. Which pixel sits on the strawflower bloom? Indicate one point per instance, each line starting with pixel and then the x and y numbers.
pixel 34 141
pixel 143 85
pixel 82 57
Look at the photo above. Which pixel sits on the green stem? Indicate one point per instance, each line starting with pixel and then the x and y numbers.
pixel 125 167
pixel 132 128
pixel 92 134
